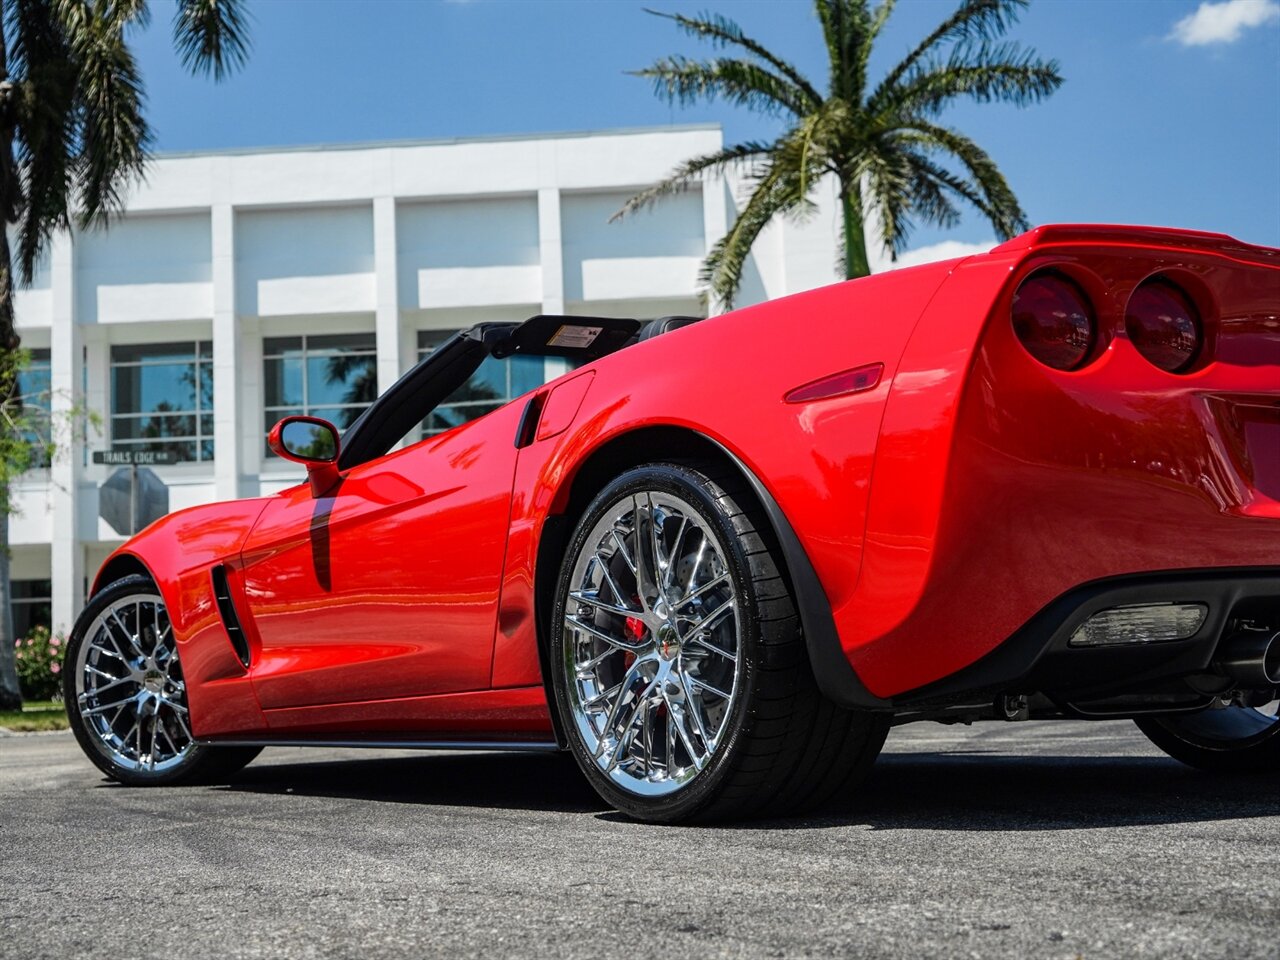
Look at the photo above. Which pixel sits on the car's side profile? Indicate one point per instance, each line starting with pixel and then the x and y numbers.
pixel 718 559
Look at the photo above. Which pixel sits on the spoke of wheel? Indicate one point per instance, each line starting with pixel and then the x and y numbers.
pixel 599 634
pixel 115 682
pixel 694 755
pixel 607 576
pixel 673 555
pixel 704 624
pixel 151 755
pixel 671 743
pixel 704 642
pixel 584 669
pixel 186 731
pixel 658 577
pixel 627 736
pixel 622 549
pixel 693 712
pixel 687 588
pixel 643 578
pixel 594 599
pixel 709 585
pixel 703 685
pixel 104 707
pixel 129 637
pixel 611 718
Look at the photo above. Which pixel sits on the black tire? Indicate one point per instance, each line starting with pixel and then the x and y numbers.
pixel 784 748
pixel 1235 739
pixel 198 763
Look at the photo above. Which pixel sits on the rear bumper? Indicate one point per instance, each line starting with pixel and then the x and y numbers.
pixel 1038 658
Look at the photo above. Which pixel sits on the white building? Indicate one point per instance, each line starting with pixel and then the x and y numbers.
pixel 241 286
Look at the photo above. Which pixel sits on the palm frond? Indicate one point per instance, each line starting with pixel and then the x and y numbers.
pixel 684 175
pixel 211 36
pixel 724 32
pixel 1003 72
pixel 112 132
pixel 741 82
pixel 973 21
pixel 1003 210
pixel 775 193
pixel 850 28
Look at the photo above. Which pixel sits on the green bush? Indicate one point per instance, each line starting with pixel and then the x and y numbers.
pixel 39 657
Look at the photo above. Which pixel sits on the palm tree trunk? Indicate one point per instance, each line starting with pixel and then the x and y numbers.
pixel 855 239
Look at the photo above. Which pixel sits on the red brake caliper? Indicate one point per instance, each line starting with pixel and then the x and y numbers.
pixel 635 630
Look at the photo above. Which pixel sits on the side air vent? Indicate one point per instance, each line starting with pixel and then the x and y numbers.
pixel 222 594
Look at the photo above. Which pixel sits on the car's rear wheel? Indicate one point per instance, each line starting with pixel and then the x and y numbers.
pixel 1239 738
pixel 679 669
pixel 126 696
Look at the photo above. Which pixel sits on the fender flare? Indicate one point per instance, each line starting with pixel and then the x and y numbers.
pixel 835 675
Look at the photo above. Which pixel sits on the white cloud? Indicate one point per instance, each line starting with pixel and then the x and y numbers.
pixel 1223 22
pixel 946 250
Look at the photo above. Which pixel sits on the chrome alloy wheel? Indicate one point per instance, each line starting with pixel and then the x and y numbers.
pixel 650 646
pixel 129 687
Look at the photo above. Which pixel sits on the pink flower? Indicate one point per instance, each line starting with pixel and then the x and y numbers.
pixel 31 643
pixel 55 668
pixel 54 642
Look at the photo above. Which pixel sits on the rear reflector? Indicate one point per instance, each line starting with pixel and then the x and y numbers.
pixel 856 380
pixel 1141 623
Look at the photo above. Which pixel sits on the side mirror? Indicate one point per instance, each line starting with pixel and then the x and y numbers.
pixel 312 442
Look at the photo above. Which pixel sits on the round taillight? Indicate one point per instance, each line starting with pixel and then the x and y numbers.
pixel 1052 318
pixel 1164 325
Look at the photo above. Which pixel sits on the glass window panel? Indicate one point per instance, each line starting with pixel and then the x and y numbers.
pixel 341 417
pixel 146 428
pixel 154 387
pixel 527 373
pixel 340 379
pixel 282 382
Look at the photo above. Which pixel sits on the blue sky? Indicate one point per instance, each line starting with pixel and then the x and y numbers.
pixel 1170 112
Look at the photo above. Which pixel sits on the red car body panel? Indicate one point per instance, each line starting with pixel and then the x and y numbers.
pixel 940 510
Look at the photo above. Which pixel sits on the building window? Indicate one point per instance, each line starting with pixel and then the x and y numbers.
pixel 162 398
pixel 35 387
pixel 32 605
pixel 496 382
pixel 334 377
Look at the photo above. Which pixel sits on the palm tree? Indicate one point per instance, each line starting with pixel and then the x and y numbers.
pixel 73 139
pixel 893 160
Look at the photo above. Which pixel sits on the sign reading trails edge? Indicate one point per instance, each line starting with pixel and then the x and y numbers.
pixel 131 458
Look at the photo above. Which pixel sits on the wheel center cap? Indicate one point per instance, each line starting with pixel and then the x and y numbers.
pixel 668 642
pixel 153 680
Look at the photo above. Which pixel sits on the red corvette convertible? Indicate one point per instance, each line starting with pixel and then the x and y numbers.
pixel 719 558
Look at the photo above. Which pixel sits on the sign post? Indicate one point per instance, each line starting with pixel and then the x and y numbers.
pixel 133 459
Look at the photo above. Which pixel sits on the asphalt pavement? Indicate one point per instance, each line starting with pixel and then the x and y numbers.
pixel 999 840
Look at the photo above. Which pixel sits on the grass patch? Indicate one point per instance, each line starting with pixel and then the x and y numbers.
pixel 35 715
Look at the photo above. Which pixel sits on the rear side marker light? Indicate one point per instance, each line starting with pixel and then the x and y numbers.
pixel 1140 623
pixel 1164 326
pixel 857 380
pixel 1054 321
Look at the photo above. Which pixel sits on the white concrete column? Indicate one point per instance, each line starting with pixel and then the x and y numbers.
pixel 715 224
pixel 551 250
pixel 551 257
pixel 387 293
pixel 227 406
pixel 66 355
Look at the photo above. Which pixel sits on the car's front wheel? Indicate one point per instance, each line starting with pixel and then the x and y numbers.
pixel 126 695
pixel 680 673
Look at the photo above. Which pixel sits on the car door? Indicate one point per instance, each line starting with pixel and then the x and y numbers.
pixel 387 587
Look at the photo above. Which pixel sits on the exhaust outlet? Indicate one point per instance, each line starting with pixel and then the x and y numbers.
pixel 1251 658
